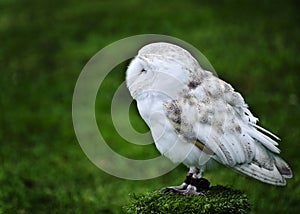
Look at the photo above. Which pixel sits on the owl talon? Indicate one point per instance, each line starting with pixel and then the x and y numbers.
pixel 180 188
pixel 191 185
pixel 192 190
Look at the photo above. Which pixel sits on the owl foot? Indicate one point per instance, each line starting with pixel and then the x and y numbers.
pixel 191 185
pixel 192 190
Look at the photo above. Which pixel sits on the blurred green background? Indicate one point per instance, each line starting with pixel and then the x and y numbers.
pixel 44 45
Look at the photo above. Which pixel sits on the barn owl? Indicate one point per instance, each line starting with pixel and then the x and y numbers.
pixel 196 118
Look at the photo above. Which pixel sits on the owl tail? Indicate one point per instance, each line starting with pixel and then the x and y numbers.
pixel 283 167
pixel 266 167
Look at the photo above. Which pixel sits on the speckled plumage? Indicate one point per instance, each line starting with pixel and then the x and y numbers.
pixel 194 116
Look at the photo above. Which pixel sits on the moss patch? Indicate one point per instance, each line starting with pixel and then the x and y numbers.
pixel 217 199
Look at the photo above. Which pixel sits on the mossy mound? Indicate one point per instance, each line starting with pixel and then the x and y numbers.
pixel 217 199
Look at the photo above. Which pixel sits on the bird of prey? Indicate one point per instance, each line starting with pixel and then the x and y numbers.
pixel 196 118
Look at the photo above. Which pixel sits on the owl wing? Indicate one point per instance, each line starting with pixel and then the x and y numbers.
pixel 216 119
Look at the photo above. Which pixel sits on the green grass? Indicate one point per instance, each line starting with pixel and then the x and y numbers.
pixel 218 199
pixel 44 45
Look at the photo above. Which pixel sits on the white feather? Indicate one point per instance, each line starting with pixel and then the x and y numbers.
pixel 183 104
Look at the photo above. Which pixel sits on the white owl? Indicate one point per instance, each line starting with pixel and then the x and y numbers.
pixel 195 117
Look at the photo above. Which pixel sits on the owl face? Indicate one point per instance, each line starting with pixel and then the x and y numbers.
pixel 163 72
pixel 139 76
pixel 156 74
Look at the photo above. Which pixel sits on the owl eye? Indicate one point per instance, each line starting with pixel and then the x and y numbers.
pixel 143 70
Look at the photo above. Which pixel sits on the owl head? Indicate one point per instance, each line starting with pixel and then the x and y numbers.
pixel 160 68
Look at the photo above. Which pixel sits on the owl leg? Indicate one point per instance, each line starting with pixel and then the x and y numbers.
pixel 193 183
pixel 197 184
pixel 182 186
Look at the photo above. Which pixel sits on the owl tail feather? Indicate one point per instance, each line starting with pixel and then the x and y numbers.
pixel 275 175
pixel 283 167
